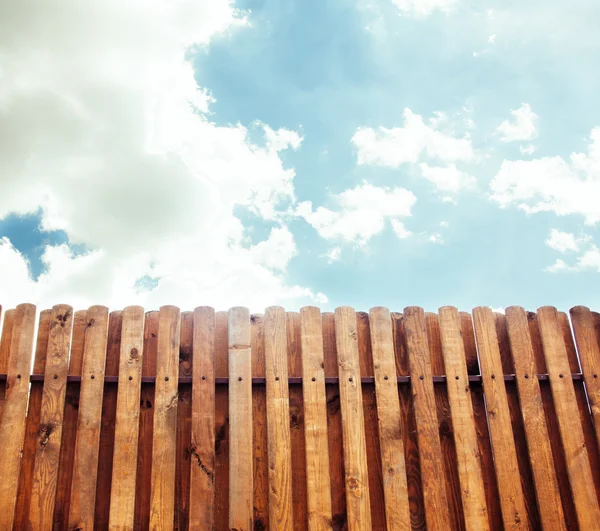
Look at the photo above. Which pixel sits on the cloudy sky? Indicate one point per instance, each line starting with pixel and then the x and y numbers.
pixel 258 152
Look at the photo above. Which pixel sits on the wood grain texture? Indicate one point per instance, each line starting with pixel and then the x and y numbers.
pixel 355 453
pixel 430 450
pixel 315 420
pixel 162 498
pixel 240 421
pixel 565 401
pixel 5 352
pixel 12 423
pixel 49 436
pixel 463 420
pixel 514 513
pixel 393 467
pixel 123 484
pixel 202 478
pixel 278 420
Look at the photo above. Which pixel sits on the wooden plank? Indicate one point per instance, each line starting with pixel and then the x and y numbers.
pixel 33 423
pixel 162 505
pixel 565 402
pixel 240 421
pixel 538 440
pixel 12 424
pixel 395 488
pixel 69 432
pixel 144 461
pixel 315 420
pixel 49 436
pixel 202 479
pixel 5 352
pixel 123 483
pixel 589 354
pixel 514 513
pixel 430 450
pixel 463 420
pixel 278 420
pixel 355 453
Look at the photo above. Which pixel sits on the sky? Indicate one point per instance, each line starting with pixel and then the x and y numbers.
pixel 258 152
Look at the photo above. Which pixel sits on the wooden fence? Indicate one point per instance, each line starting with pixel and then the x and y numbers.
pixel 226 420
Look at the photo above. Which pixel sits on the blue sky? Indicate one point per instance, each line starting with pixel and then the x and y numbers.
pixel 390 152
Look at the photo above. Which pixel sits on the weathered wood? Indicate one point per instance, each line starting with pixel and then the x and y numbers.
pixel 278 420
pixel 514 513
pixel 430 451
pixel 463 420
pixel 202 479
pixel 240 421
pixel 122 499
pixel 532 410
pixel 355 453
pixel 315 420
pixel 162 500
pixel 12 423
pixel 577 460
pixel 49 436
pixel 5 352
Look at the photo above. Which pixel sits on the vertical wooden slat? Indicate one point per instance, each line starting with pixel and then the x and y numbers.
pixel 12 424
pixel 397 510
pixel 514 513
pixel 240 421
pixel 430 451
pixel 202 478
pixel 577 460
pixel 355 453
pixel 49 436
pixel 144 461
pixel 463 420
pixel 532 410
pixel 278 420
pixel 162 500
pixel 5 352
pixel 122 498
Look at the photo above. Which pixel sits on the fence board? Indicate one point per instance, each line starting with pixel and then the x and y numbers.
pixel 577 461
pixel 222 423
pixel 355 458
pixel 5 351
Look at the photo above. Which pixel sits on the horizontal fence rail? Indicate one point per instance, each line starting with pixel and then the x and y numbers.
pixel 299 420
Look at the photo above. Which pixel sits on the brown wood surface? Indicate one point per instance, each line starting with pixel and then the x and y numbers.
pixel 162 498
pixel 240 421
pixel 393 467
pixel 514 512
pixel 315 421
pixel 355 453
pixel 463 421
pixel 565 401
pixel 202 455
pixel 12 423
pixel 49 436
pixel 5 352
pixel 123 485
pixel 430 450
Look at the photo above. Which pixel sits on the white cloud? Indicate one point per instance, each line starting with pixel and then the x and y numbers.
pixel 552 184
pixel 491 39
pixel 399 229
pixel 436 238
pixel 588 260
pixel 523 127
pixel 565 241
pixel 361 214
pixel 104 128
pixel 444 224
pixel 333 255
pixel 423 8
pixel 402 145
pixel 447 179
pixel 528 149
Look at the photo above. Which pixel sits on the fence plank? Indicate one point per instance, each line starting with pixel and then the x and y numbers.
pixel 162 504
pixel 240 421
pixel 430 450
pixel 49 436
pixel 355 453
pixel 12 424
pixel 222 422
pixel 202 478
pixel 393 468
pixel 463 420
pixel 514 513
pixel 278 420
pixel 122 499
pixel 5 352
pixel 578 464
